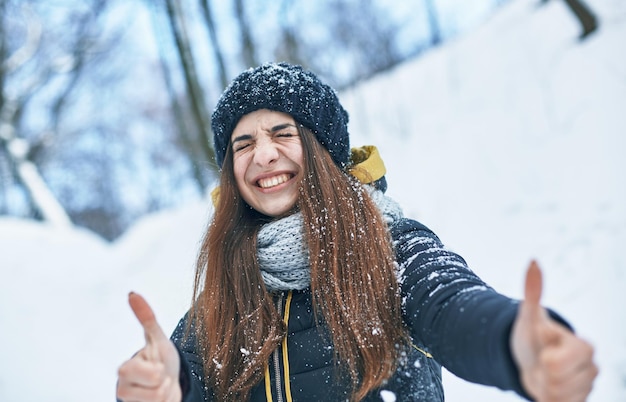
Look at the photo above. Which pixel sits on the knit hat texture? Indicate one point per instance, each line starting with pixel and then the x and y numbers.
pixel 284 88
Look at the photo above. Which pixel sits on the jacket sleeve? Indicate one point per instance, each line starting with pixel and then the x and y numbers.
pixel 191 374
pixel 464 323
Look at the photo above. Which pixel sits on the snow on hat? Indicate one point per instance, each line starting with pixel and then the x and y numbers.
pixel 284 88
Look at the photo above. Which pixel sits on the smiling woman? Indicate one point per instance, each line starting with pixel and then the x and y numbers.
pixel 312 285
pixel 267 161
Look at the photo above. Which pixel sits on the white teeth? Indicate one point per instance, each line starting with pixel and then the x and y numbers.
pixel 273 181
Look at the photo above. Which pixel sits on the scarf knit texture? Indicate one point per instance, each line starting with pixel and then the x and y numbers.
pixel 283 256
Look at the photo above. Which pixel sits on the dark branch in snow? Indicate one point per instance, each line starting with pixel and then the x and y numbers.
pixel 585 16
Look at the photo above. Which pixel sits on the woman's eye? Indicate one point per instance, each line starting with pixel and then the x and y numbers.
pixel 241 147
pixel 285 135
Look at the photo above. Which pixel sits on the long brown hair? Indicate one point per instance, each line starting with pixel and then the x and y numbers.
pixel 353 282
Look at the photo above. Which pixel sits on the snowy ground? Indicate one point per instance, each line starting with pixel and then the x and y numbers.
pixel 508 143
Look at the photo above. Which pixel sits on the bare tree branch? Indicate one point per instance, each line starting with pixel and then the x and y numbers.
pixel 198 105
pixel 79 57
pixel 17 149
pixel 188 140
pixel 289 46
pixel 585 16
pixel 248 51
pixel 217 49
pixel 26 52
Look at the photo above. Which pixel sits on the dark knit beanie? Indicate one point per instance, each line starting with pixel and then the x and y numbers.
pixel 284 88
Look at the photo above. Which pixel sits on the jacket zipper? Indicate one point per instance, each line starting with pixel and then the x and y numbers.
pixel 277 374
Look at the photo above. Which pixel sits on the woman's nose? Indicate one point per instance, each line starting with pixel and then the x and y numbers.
pixel 265 153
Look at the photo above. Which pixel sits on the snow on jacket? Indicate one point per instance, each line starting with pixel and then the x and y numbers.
pixel 454 319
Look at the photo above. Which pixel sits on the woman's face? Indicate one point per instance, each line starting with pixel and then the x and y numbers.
pixel 267 161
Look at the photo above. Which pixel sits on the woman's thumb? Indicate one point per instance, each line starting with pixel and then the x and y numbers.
pixel 538 318
pixel 146 317
pixel 533 286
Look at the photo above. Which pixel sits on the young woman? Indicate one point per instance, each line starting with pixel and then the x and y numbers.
pixel 311 284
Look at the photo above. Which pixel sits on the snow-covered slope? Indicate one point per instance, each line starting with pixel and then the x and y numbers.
pixel 507 142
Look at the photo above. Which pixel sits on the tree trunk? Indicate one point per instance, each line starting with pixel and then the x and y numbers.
pixel 217 49
pixel 17 150
pixel 3 51
pixel 42 199
pixel 289 45
pixel 198 106
pixel 248 51
pixel 184 132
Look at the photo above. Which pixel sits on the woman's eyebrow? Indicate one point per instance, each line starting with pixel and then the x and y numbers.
pixel 282 126
pixel 243 137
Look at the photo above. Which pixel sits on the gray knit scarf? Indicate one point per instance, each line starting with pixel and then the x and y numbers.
pixel 283 256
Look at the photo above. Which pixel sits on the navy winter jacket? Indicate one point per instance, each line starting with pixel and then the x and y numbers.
pixel 454 319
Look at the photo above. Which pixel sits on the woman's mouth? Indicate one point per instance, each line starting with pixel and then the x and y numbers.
pixel 273 181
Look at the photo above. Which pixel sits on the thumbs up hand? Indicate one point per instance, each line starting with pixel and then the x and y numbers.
pixel 152 374
pixel 555 365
